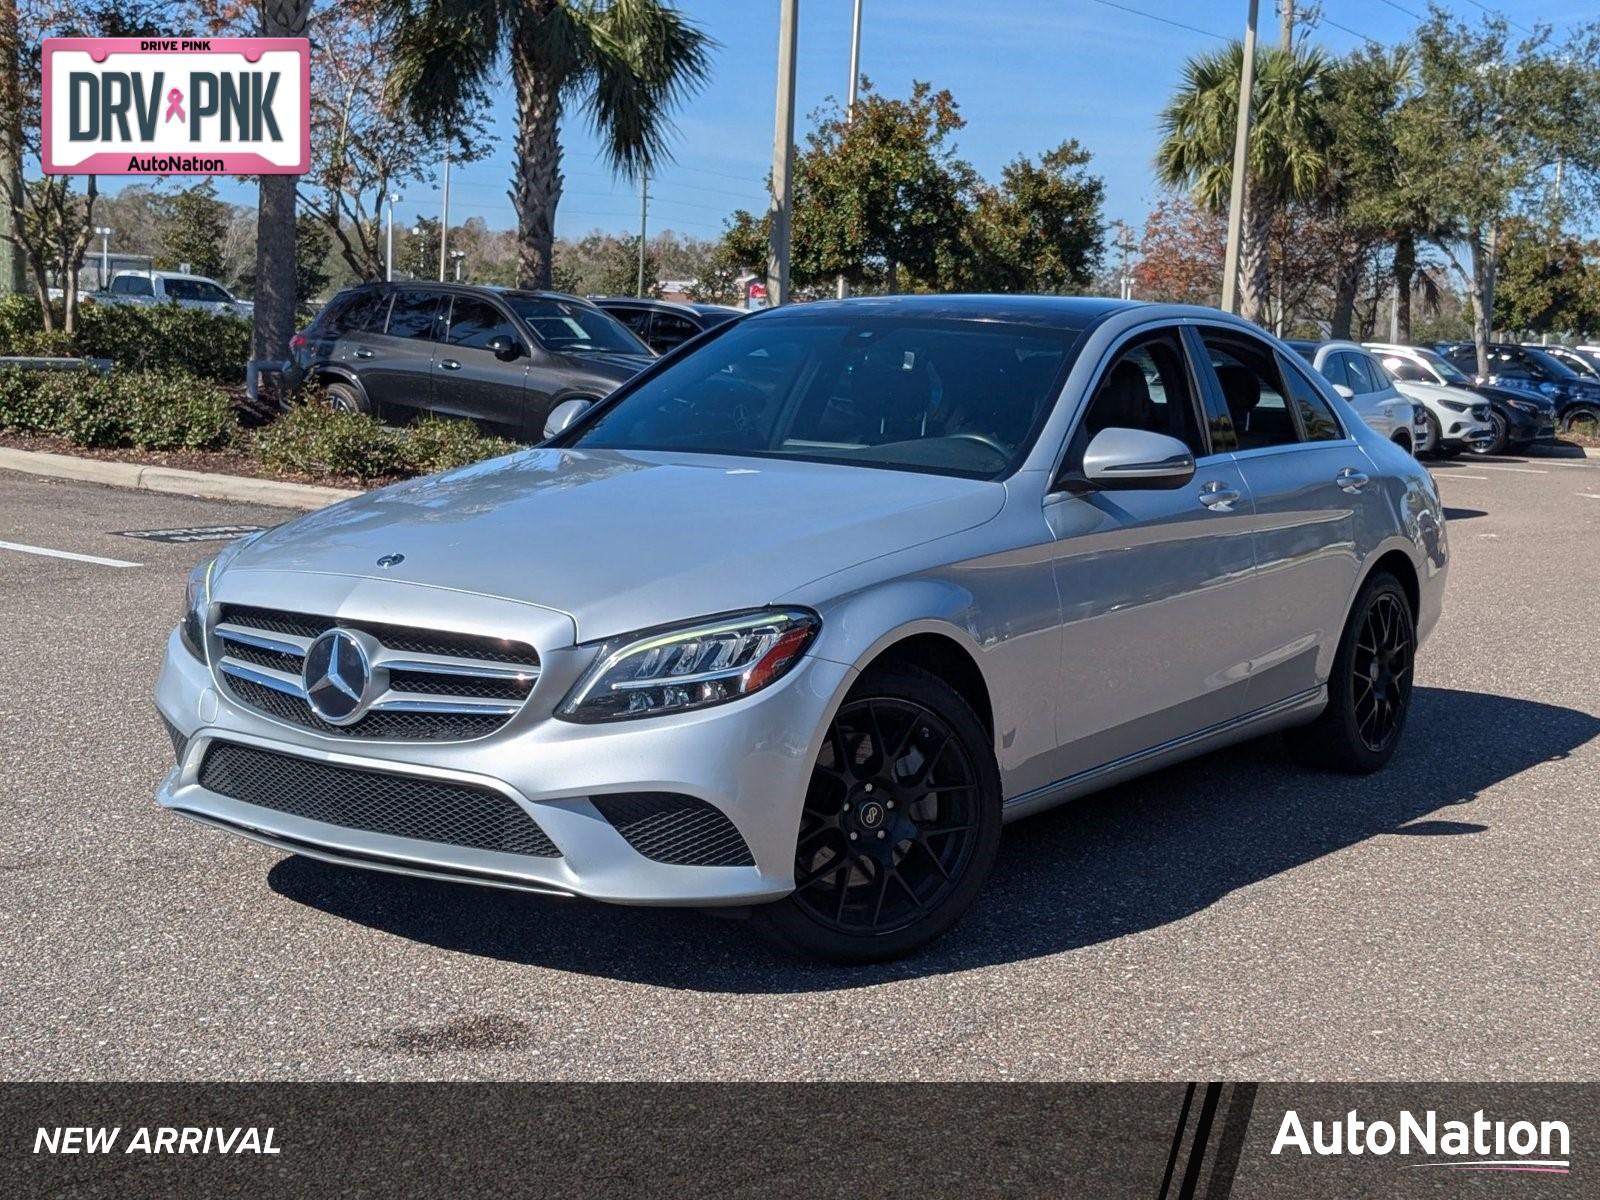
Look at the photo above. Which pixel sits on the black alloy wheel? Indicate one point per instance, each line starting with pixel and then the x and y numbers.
pixel 1496 444
pixel 1382 671
pixel 899 826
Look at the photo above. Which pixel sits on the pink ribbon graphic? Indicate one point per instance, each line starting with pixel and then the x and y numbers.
pixel 175 105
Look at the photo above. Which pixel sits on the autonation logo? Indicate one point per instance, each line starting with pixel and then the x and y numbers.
pixel 1476 1145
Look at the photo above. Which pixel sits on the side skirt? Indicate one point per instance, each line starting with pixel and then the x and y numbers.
pixel 1293 710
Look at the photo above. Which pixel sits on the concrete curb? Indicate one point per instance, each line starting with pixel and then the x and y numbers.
pixel 241 488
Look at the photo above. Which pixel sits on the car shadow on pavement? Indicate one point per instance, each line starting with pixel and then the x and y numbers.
pixel 1132 858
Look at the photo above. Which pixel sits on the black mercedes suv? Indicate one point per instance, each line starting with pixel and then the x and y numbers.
pixel 500 357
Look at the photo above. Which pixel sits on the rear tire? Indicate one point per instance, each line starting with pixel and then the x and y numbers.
pixel 1583 421
pixel 344 397
pixel 1369 691
pixel 900 828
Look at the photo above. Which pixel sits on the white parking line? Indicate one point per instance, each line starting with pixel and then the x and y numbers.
pixel 1518 470
pixel 48 553
pixel 1589 495
pixel 1453 475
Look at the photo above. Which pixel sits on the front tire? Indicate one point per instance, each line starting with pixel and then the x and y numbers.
pixel 1496 444
pixel 1369 691
pixel 1435 435
pixel 900 827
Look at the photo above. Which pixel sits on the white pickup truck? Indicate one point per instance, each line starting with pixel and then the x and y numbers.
pixel 158 287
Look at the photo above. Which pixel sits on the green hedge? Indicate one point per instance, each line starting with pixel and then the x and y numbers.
pixel 156 337
pixel 313 439
pixel 140 409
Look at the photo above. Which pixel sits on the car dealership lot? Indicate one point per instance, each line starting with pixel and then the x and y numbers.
pixel 1233 917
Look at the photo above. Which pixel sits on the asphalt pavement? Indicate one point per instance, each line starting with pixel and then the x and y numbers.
pixel 1235 917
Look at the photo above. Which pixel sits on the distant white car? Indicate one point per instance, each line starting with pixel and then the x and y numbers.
pixel 160 287
pixel 1457 419
pixel 1360 379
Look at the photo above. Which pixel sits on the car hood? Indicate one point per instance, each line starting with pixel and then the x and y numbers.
pixel 1505 395
pixel 624 540
pixel 1437 391
pixel 611 364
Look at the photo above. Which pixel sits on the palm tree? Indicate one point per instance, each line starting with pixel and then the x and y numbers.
pixel 1288 152
pixel 627 62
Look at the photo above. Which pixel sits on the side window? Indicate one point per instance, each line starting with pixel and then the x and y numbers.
pixel 131 285
pixel 1527 365
pixel 1247 376
pixel 1362 382
pixel 670 331
pixel 1316 417
pixel 1333 369
pixel 362 311
pixel 634 318
pixel 1147 387
pixel 1407 371
pixel 475 323
pixel 412 314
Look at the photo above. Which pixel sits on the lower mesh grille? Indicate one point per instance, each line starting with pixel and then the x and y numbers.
pixel 675 829
pixel 179 741
pixel 398 805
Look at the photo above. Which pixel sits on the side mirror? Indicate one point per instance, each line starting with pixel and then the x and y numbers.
pixel 563 415
pixel 1137 458
pixel 1344 392
pixel 505 347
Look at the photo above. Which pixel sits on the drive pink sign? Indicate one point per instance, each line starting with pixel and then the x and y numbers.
pixel 177 106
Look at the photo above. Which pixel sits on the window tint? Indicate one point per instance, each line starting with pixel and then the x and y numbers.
pixel 1334 371
pixel 1247 376
pixel 197 289
pixel 363 310
pixel 671 330
pixel 1316 417
pixel 955 397
pixel 1501 363
pixel 1407 371
pixel 1362 381
pixel 131 285
pixel 412 314
pixel 1147 387
pixel 568 327
pixel 634 318
pixel 474 323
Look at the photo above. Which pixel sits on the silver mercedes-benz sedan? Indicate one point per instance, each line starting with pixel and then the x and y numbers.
pixel 796 619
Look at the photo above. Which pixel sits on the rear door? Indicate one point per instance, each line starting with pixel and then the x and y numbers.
pixel 1312 490
pixel 395 366
pixel 669 330
pixel 469 379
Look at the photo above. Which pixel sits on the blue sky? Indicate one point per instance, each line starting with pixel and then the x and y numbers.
pixel 1026 73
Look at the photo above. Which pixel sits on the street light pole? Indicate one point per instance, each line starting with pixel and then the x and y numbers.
pixel 105 255
pixel 457 256
pixel 850 110
pixel 782 154
pixel 1241 157
pixel 644 214
pixel 444 215
pixel 388 258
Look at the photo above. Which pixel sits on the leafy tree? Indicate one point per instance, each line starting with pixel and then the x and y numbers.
pixel 193 227
pixel 881 193
pixel 1288 150
pixel 1492 118
pixel 619 269
pixel 1545 282
pixel 1041 230
pixel 626 62
pixel 312 245
pixel 1181 253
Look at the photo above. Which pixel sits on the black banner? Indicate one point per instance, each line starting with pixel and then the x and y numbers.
pixel 1161 1141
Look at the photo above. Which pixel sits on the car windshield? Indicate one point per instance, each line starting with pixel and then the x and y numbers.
pixel 1442 366
pixel 947 397
pixel 570 328
pixel 1551 364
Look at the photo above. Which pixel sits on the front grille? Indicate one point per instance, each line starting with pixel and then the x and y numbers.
pixel 429 685
pixel 680 830
pixel 427 810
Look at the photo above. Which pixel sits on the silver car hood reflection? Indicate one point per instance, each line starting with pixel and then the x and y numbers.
pixel 622 540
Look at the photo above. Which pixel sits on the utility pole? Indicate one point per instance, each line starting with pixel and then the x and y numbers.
pixel 850 111
pixel 104 232
pixel 644 216
pixel 11 256
pixel 1126 244
pixel 388 258
pixel 444 217
pixel 1286 23
pixel 1241 159
pixel 782 155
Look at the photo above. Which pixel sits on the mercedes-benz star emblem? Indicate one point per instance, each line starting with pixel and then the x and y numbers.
pixel 391 560
pixel 336 676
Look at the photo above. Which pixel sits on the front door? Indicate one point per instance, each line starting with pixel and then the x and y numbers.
pixel 470 380
pixel 1155 584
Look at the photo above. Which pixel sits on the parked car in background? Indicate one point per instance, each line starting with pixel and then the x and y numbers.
pixel 796 620
pixel 1516 419
pixel 501 357
pixel 1457 419
pixel 1581 363
pixel 1358 377
pixel 665 325
pixel 1534 372
pixel 162 287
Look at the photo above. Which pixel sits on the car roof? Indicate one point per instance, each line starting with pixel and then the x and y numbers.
pixel 688 306
pixel 1070 312
pixel 471 289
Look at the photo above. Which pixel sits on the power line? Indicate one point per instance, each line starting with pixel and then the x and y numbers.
pixel 1495 12
pixel 1415 16
pixel 1139 12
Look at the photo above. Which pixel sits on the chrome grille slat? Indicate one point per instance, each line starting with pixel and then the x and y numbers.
pixel 436 685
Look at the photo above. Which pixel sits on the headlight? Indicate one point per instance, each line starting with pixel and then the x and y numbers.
pixel 691 666
pixel 196 596
pixel 1456 406
pixel 1527 406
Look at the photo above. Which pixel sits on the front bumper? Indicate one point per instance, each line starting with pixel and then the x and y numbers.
pixel 750 759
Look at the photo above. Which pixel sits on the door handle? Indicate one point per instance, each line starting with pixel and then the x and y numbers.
pixel 1218 496
pixel 449 364
pixel 363 353
pixel 1350 480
